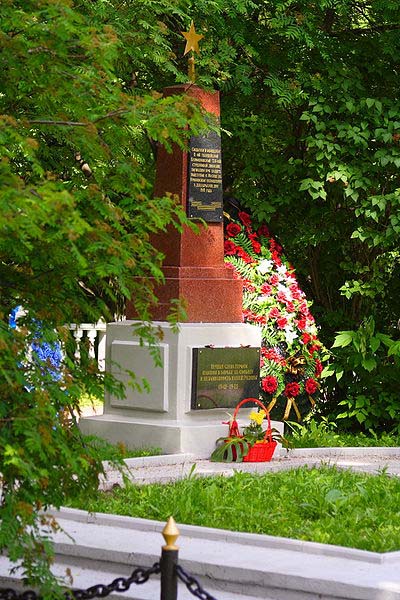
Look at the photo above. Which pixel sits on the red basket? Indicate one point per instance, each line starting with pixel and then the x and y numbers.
pixel 263 450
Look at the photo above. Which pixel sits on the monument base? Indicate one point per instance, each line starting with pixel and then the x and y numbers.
pixel 162 416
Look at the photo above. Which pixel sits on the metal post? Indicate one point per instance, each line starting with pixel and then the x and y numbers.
pixel 168 562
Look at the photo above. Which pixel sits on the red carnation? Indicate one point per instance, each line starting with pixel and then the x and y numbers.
pixel 281 296
pixel 274 280
pixel 266 289
pixel 244 256
pixel 318 368
pixel 306 338
pixel 233 229
pixel 311 386
pixel 281 323
pixel 245 218
pixel 314 348
pixel 263 230
pixel 274 313
pixel 292 389
pixel 229 247
pixel 275 258
pixel 302 324
pixel 256 246
pixel 249 287
pixel 269 384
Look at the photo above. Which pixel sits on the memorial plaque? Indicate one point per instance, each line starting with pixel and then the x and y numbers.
pixel 205 178
pixel 224 376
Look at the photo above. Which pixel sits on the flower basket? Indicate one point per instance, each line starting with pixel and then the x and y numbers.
pixel 236 448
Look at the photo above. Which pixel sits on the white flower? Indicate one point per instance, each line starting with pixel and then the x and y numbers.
pixel 265 266
pixel 286 291
pixel 281 270
pixel 290 335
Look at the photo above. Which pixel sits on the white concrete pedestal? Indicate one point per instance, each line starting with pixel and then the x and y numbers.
pixel 163 416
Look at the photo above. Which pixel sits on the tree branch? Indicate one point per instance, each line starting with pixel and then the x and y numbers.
pixel 109 115
pixel 62 123
pixel 371 29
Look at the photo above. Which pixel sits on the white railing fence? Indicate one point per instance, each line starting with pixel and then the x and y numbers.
pixel 94 336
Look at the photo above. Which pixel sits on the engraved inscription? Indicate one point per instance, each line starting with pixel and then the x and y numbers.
pixel 206 169
pixel 205 178
pixel 224 376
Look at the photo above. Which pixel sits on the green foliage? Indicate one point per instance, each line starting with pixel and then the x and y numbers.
pixel 116 453
pixel 79 120
pixel 324 505
pixel 232 449
pixel 325 434
pixel 310 98
pixel 366 366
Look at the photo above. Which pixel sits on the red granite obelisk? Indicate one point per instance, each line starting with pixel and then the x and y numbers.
pixel 194 267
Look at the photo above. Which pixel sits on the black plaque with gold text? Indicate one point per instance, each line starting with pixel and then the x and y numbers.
pixel 205 178
pixel 224 376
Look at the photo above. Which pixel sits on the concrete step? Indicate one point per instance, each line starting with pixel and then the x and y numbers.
pixel 229 565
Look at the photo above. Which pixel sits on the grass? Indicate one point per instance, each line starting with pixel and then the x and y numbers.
pixel 322 505
pixel 324 434
pixel 117 452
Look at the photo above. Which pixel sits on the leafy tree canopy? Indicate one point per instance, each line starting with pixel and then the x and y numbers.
pixel 77 134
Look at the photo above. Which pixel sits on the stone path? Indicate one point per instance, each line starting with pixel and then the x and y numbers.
pixel 173 467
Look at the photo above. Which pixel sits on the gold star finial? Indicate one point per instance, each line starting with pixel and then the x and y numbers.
pixel 192 39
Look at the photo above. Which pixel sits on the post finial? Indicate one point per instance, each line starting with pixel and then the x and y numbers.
pixel 192 45
pixel 170 534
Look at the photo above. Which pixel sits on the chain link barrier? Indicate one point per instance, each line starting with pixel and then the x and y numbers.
pixel 121 584
pixel 193 584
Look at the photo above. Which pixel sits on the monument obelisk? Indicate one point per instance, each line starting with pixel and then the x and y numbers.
pixel 192 389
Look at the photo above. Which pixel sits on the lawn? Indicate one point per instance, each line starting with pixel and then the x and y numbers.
pixel 323 505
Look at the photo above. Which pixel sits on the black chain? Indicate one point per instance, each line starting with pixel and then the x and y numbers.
pixel 193 585
pixel 121 584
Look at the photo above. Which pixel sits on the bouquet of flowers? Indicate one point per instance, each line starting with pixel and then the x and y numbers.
pixel 255 444
pixel 291 352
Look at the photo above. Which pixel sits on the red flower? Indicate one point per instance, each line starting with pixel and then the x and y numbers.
pixel 275 258
pixel 314 348
pixel 281 323
pixel 233 229
pixel 301 324
pixel 274 280
pixel 274 313
pixel 229 247
pixel 272 354
pixel 263 230
pixel 266 289
pixel 318 368
pixel 306 338
pixel 269 384
pixel 281 296
pixel 311 386
pixel 244 256
pixel 274 246
pixel 303 308
pixel 292 389
pixel 289 306
pixel 296 291
pixel 248 286
pixel 256 246
pixel 245 218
